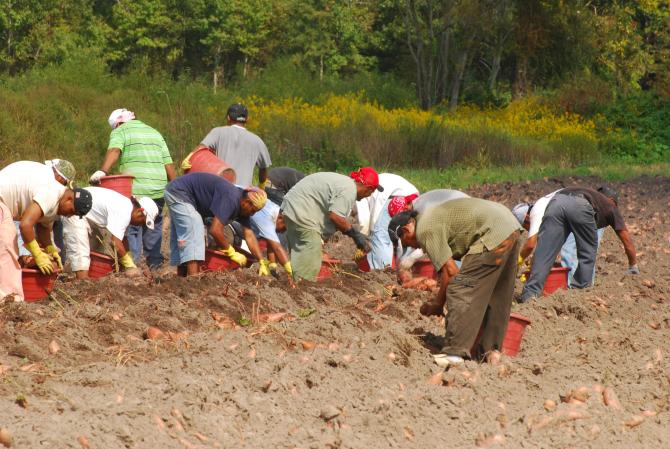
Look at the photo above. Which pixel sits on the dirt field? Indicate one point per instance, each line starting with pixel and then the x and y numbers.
pixel 348 364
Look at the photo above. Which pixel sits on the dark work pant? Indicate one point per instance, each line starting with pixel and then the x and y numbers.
pixel 142 238
pixel 564 214
pixel 480 296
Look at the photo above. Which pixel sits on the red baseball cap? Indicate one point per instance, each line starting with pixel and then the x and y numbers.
pixel 368 177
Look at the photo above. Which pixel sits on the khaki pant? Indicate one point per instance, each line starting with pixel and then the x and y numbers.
pixel 481 296
pixel 10 270
pixel 305 247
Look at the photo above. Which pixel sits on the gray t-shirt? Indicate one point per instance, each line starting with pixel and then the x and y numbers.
pixel 432 198
pixel 308 203
pixel 239 148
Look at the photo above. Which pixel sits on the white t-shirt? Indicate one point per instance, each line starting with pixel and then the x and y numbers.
pixel 537 213
pixel 110 210
pixel 23 182
pixel 371 207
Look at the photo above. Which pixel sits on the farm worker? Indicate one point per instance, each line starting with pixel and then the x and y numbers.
pixel 238 147
pixel 264 225
pixel 29 193
pixel 280 181
pixel 484 236
pixel 196 196
pixel 112 212
pixel 142 153
pixel 420 204
pixel 530 216
pixel 316 207
pixel 582 211
pixel 373 216
pixel 64 172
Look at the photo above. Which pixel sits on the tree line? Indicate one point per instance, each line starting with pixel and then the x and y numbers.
pixel 485 51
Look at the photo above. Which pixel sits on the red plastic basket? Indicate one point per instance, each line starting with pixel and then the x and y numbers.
pixel 513 336
pixel 205 161
pixel 36 286
pixel 556 280
pixel 119 183
pixel 424 267
pixel 101 265
pixel 364 265
pixel 326 268
pixel 217 261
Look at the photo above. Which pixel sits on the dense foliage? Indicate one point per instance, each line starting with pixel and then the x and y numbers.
pixel 480 50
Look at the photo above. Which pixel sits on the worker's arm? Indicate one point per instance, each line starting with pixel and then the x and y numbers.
pixel 278 250
pixel 110 159
pixel 628 246
pixel 216 229
pixel 120 247
pixel 170 172
pixel 262 176
pixel 436 306
pixel 252 243
pixel 341 223
pixel 528 247
pixel 31 216
pixel 44 234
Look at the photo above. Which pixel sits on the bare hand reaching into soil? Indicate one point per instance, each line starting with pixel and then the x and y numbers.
pixel 431 308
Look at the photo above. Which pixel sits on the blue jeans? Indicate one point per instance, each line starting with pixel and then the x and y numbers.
pixel 569 255
pixel 187 231
pixel 142 238
pixel 381 255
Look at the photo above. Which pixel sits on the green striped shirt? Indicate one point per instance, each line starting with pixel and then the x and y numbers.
pixel 144 155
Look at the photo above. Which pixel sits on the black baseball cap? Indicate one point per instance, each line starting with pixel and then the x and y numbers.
pixel 398 222
pixel 238 112
pixel 83 201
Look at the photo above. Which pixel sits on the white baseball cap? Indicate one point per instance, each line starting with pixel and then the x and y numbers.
pixel 150 210
pixel 520 211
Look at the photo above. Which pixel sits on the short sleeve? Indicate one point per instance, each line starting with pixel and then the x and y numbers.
pixel 211 140
pixel 341 203
pixel 116 139
pixel 437 248
pixel 165 153
pixel 47 198
pixel 263 156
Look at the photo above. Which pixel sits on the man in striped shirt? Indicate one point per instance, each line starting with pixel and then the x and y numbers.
pixel 142 152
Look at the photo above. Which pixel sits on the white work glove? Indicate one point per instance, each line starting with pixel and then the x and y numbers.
pixel 407 262
pixel 633 269
pixel 95 177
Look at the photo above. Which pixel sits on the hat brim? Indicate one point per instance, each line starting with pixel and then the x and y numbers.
pixel 380 188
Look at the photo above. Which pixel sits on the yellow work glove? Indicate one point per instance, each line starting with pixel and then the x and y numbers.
pixel 288 268
pixel 52 251
pixel 264 184
pixel 359 254
pixel 523 278
pixel 519 261
pixel 264 267
pixel 186 163
pixel 127 261
pixel 236 257
pixel 41 258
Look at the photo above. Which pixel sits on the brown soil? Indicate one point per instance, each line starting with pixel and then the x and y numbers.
pixel 348 365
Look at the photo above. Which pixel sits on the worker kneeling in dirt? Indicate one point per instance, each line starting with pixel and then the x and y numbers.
pixel 29 193
pixel 485 236
pixel 581 211
pixel 316 207
pixel 113 213
pixel 420 204
pixel 195 196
